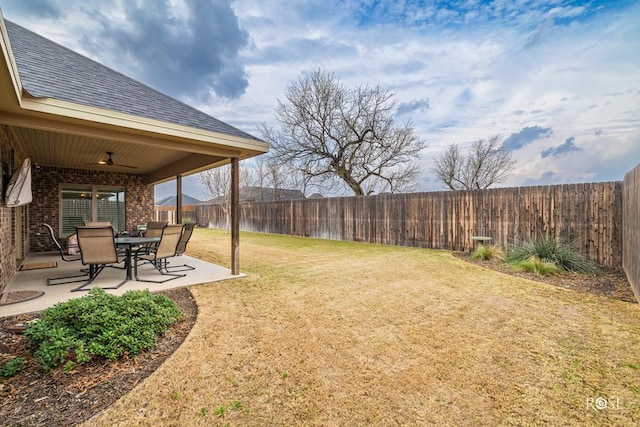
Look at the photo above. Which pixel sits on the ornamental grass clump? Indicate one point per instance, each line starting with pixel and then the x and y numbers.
pixel 100 325
pixel 538 266
pixel 488 252
pixel 549 250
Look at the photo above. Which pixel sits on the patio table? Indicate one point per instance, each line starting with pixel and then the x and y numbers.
pixel 127 243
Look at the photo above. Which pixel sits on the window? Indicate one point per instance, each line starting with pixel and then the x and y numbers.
pixel 91 203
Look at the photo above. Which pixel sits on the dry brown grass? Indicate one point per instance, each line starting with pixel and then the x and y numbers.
pixel 325 333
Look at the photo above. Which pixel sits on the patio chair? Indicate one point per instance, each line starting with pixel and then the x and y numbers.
pixel 158 255
pixel 97 224
pixel 98 250
pixel 154 228
pixel 182 247
pixel 64 254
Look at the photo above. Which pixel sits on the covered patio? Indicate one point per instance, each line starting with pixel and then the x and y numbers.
pixel 35 281
pixel 96 139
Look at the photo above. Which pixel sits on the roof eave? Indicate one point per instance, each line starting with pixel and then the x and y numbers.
pixel 9 76
pixel 69 110
pixel 22 109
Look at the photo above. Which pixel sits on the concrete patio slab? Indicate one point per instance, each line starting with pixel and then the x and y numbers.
pixel 36 280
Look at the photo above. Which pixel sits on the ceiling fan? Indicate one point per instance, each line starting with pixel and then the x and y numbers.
pixel 109 161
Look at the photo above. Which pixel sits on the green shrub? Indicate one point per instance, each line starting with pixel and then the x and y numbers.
pixel 554 251
pixel 538 266
pixel 102 325
pixel 488 252
pixel 12 367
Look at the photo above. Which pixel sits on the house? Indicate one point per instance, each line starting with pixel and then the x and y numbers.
pixel 98 142
pixel 261 194
pixel 172 201
pixel 265 194
pixel 165 209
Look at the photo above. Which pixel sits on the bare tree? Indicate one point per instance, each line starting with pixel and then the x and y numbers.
pixel 334 134
pixel 217 184
pixel 270 175
pixel 277 175
pixel 284 176
pixel 484 165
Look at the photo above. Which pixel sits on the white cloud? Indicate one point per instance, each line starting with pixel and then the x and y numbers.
pixel 485 69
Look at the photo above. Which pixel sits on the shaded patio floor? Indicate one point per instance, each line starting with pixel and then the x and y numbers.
pixel 36 280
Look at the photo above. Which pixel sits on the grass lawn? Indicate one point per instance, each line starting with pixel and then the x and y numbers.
pixel 325 333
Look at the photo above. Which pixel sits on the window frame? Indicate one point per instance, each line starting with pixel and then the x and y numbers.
pixel 95 190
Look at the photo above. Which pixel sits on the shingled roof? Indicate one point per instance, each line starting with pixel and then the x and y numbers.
pixel 50 70
pixel 173 201
pixel 261 194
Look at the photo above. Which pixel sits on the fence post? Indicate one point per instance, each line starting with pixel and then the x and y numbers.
pixel 235 212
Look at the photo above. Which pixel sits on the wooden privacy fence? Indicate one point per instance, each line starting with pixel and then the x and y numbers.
pixel 587 215
pixel 631 229
pixel 168 213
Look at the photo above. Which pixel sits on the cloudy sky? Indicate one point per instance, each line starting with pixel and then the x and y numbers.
pixel 559 80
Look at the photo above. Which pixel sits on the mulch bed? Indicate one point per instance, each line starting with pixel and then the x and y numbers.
pixel 34 398
pixel 55 398
pixel 611 283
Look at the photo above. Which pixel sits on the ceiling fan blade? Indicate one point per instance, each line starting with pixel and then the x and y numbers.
pixel 109 162
pixel 112 165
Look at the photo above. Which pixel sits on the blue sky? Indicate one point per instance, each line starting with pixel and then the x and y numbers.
pixel 558 80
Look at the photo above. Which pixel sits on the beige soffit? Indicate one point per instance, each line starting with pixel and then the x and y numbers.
pixel 122 125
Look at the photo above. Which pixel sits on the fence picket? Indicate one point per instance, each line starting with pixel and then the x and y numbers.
pixel 585 214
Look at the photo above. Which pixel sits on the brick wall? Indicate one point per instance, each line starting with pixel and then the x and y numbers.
pixel 10 159
pixel 45 207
